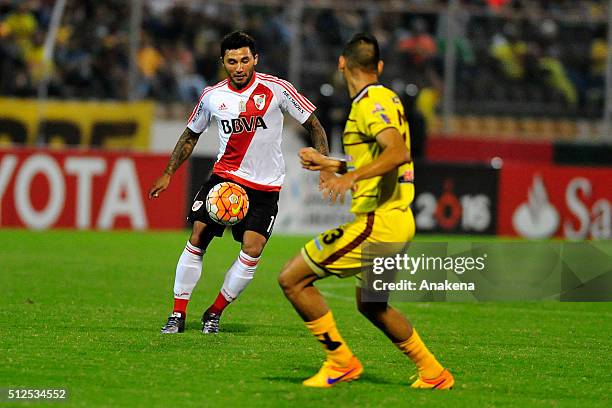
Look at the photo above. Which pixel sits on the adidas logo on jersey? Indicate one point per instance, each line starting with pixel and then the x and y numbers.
pixel 222 107
pixel 241 124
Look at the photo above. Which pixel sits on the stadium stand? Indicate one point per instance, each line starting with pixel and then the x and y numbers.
pixel 514 58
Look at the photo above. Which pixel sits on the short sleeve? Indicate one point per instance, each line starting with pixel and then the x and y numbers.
pixel 200 117
pixel 293 102
pixel 377 115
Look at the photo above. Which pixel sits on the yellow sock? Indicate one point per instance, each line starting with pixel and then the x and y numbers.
pixel 426 363
pixel 324 329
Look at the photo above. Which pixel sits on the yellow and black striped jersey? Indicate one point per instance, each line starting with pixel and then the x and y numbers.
pixel 374 109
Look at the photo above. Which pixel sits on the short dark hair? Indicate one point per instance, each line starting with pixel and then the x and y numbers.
pixel 362 52
pixel 236 40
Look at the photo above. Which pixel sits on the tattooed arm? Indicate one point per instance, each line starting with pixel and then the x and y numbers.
pixel 318 137
pixel 181 152
pixel 319 141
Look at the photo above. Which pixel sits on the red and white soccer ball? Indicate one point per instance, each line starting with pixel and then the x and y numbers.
pixel 227 203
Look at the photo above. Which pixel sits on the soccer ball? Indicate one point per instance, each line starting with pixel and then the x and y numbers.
pixel 227 203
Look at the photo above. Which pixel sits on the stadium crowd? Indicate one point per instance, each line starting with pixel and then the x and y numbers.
pixel 550 53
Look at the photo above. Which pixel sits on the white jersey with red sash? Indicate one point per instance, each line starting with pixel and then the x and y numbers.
pixel 250 122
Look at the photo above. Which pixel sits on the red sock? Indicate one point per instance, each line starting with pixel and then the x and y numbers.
pixel 219 305
pixel 180 305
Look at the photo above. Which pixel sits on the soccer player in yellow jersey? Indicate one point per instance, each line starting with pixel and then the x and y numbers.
pixel 378 171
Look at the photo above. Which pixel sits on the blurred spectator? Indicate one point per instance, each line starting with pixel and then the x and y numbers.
pixel 207 60
pixel 33 54
pixel 594 88
pixel 190 84
pixel 418 45
pixel 150 62
pixel 509 50
pixel 557 78
pixel 550 63
pixel 523 51
pixel 76 65
pixel 421 66
pixel 21 22
pixel 598 58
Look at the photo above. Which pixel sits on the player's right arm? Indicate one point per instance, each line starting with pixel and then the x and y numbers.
pixel 198 122
pixel 182 150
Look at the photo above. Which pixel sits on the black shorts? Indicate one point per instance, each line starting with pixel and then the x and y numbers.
pixel 263 207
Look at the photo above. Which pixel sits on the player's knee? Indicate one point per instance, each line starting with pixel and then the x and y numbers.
pixel 253 249
pixel 199 236
pixel 253 244
pixel 196 237
pixel 286 280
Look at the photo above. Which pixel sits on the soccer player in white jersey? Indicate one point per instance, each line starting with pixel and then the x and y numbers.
pixel 248 107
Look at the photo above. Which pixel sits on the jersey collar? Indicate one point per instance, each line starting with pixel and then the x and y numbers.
pixel 363 91
pixel 251 82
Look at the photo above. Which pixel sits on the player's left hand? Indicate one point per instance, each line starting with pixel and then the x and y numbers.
pixel 337 187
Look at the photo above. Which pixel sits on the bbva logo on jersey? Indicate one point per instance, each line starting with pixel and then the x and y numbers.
pixel 241 124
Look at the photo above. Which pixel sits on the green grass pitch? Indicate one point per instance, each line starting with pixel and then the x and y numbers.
pixel 82 311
